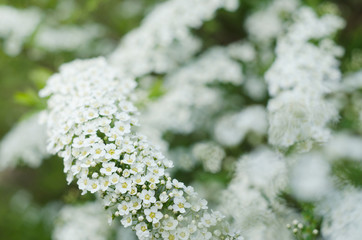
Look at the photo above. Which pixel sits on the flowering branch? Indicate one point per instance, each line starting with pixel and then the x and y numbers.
pixel 90 125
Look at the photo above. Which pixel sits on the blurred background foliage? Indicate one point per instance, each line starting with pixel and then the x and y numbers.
pixel 23 75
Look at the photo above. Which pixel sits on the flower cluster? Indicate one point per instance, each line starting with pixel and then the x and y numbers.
pixel 67 38
pixel 87 221
pixel 190 101
pixel 231 129
pixel 302 74
pixel 16 26
pixel 342 211
pixel 344 146
pixel 210 154
pixel 265 25
pixel 90 125
pixel 259 177
pixel 26 142
pixel 47 31
pixel 164 40
pixel 310 180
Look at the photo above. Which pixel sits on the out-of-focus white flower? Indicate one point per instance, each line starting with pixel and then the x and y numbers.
pixel 251 196
pixel 16 26
pixel 182 158
pixel 243 51
pixel 352 81
pixel 230 130
pixel 25 143
pixel 125 234
pixel 299 79
pixel 310 179
pixel 342 215
pixel 66 38
pixel 255 88
pixel 189 101
pixel 295 117
pixel 344 146
pixel 82 222
pixel 210 154
pixel 267 24
pixel 164 40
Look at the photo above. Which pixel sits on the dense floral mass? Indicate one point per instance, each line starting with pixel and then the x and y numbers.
pixel 298 87
pixel 90 124
pixel 182 119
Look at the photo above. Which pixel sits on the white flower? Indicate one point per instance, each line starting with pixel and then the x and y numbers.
pixel 93 186
pixel 183 233
pixel 147 196
pixel 139 179
pixel 98 150
pixel 108 168
pixel 127 220
pixel 163 197
pixel 122 127
pixel 114 179
pixel 79 142
pixel 208 220
pixel 169 224
pixel 123 185
pixel 104 183
pixel 136 203
pixel 112 152
pixel 129 159
pixel 153 215
pixel 142 231
pixel 124 208
pixel 180 204
pixel 83 183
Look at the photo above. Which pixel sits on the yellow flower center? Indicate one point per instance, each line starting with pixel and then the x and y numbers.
pixel 98 151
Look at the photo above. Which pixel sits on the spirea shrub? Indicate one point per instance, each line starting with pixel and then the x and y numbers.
pixel 217 119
